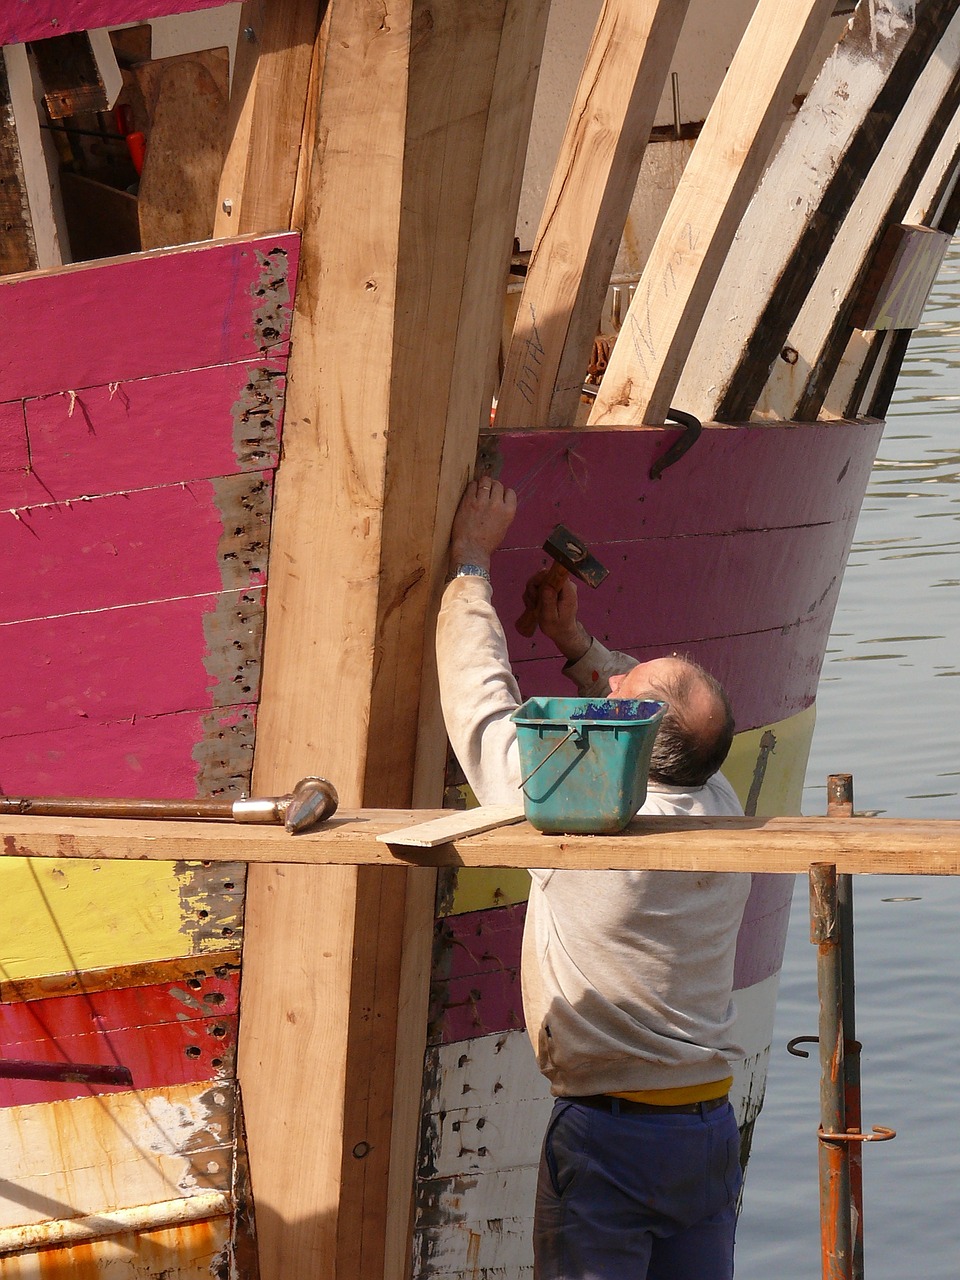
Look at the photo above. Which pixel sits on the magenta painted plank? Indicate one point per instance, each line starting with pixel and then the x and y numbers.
pixel 474 942
pixel 23 20
pixel 763 931
pixel 156 431
pixel 162 757
pixel 87 668
pixel 662 590
pixel 13 438
pixel 477 1006
pixel 122 549
pixel 149 314
pixel 760 476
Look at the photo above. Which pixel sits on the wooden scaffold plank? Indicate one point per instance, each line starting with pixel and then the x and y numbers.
pixel 585 211
pixel 717 184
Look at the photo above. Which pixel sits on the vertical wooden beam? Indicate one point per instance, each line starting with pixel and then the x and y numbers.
pixel 17 246
pixel 267 101
pixel 586 209
pixel 801 202
pixel 717 184
pixel 409 209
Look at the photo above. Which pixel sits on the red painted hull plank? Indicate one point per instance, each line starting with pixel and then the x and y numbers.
pixel 157 757
pixel 765 476
pixel 166 1034
pixel 212 304
pixel 763 931
pixel 23 20
pixel 166 430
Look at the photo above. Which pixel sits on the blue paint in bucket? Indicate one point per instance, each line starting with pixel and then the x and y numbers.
pixel 585 761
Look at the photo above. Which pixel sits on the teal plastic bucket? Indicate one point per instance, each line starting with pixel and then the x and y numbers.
pixel 584 761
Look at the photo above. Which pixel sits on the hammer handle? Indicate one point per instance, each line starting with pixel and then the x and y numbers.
pixel 527 622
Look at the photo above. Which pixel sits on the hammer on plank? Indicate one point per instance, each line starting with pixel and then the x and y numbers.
pixel 570 555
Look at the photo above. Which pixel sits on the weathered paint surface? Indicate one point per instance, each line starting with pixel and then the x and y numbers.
pixel 135 501
pixel 168 1033
pixel 151 1145
pixel 23 20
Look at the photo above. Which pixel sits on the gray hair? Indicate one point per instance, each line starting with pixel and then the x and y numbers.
pixel 683 755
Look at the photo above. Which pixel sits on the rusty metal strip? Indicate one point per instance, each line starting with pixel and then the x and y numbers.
pixel 142 1217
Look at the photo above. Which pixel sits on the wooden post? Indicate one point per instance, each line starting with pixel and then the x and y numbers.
pixel 585 211
pixel 17 247
pixel 270 77
pixel 718 182
pixel 409 202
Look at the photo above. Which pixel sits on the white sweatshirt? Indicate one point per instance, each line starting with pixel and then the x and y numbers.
pixel 627 975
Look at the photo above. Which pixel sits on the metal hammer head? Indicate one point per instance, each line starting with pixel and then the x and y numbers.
pixel 311 802
pixel 571 552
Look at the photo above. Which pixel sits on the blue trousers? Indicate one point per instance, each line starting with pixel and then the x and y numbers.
pixel 636 1196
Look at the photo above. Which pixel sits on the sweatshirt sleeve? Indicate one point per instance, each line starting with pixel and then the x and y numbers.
pixel 478 691
pixel 592 672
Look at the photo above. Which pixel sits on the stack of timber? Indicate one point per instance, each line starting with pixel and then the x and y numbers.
pixel 193 608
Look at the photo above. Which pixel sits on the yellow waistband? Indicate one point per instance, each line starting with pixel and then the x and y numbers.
pixel 674 1097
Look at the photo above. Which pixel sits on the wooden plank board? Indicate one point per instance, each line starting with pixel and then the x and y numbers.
pixel 863 846
pixel 39 19
pixel 466 823
pixel 183 309
pixel 818 335
pixel 194 752
pixel 900 278
pixel 75 558
pixel 154 1145
pixel 717 185
pixel 166 1035
pixel 186 102
pixel 18 250
pixel 585 211
pixel 156 431
pixel 408 220
pixel 271 73
pixel 801 201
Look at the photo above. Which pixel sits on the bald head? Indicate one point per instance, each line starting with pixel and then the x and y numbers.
pixel 697 729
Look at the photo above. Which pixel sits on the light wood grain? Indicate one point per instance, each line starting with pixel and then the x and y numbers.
pixel 427 835
pixel 717 184
pixel 585 211
pixel 862 846
pixel 266 115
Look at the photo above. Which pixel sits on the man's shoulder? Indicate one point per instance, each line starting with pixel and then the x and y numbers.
pixel 716 798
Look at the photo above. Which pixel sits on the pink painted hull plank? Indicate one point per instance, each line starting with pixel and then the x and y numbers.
pixel 166 1034
pixel 735 555
pixel 23 20
pixel 156 431
pixel 154 757
pixel 168 311
pixel 14 456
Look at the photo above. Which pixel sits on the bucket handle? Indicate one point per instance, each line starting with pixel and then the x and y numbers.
pixel 570 732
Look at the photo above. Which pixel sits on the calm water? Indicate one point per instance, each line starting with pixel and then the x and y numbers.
pixel 888 712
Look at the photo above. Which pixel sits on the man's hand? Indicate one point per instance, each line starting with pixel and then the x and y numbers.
pixel 557 615
pixel 483 517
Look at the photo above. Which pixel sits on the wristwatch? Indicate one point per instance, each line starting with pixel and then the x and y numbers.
pixel 469 571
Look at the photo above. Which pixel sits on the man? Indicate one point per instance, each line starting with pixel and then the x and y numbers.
pixel 627 976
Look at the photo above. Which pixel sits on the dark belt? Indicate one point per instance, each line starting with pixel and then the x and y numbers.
pixel 604 1102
